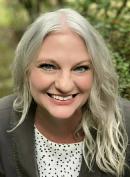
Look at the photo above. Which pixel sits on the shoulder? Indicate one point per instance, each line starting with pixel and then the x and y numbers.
pixel 6 139
pixel 6 102
pixel 125 105
pixel 125 110
pixel 6 108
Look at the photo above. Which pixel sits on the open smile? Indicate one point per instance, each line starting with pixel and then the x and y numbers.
pixel 62 97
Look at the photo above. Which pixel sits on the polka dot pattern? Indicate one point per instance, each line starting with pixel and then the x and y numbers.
pixel 57 160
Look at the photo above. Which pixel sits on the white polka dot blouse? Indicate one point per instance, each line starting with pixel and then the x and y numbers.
pixel 57 160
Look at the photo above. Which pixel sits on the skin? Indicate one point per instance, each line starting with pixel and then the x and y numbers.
pixel 62 68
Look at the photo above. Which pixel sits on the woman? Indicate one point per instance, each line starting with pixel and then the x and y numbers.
pixel 65 118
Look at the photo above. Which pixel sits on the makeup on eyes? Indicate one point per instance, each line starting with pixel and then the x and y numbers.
pixel 82 68
pixel 47 66
pixel 50 65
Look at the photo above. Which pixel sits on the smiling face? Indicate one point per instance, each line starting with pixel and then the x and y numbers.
pixel 61 76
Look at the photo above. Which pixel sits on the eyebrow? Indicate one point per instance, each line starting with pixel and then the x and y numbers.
pixel 53 61
pixel 84 61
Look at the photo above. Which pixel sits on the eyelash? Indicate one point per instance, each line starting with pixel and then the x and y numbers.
pixel 47 66
pixel 82 69
pixel 51 67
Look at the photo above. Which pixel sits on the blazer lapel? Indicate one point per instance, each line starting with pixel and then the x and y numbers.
pixel 23 145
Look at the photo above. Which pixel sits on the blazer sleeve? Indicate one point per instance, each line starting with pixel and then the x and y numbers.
pixel 5 140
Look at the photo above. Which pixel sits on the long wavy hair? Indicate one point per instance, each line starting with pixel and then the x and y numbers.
pixel 105 139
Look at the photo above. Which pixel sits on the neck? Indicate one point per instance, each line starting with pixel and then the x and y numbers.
pixel 59 131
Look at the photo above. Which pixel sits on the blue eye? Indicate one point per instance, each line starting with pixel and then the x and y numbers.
pixel 82 69
pixel 47 66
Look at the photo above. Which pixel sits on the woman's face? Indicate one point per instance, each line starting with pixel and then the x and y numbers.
pixel 61 76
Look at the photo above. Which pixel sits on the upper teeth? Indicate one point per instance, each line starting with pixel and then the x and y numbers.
pixel 61 98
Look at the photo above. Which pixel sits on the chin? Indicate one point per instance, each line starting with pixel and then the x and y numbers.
pixel 62 114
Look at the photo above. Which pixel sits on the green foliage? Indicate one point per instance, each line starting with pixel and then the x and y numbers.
pixel 122 68
pixel 4 14
pixel 6 56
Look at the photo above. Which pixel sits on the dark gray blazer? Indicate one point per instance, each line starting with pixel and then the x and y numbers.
pixel 17 157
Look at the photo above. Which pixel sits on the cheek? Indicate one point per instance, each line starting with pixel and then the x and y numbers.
pixel 38 81
pixel 85 84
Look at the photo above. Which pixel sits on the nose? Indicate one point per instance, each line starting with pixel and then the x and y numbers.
pixel 64 83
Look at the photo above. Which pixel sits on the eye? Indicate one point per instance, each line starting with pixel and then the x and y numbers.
pixel 82 69
pixel 47 66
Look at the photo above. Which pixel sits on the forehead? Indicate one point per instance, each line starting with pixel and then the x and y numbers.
pixel 64 47
pixel 65 38
pixel 66 32
pixel 64 44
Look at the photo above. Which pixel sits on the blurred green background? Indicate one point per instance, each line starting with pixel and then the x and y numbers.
pixel 110 17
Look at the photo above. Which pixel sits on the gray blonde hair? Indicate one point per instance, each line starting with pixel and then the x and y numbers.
pixel 101 113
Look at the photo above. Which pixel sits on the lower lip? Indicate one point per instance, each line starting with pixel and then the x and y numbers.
pixel 63 102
